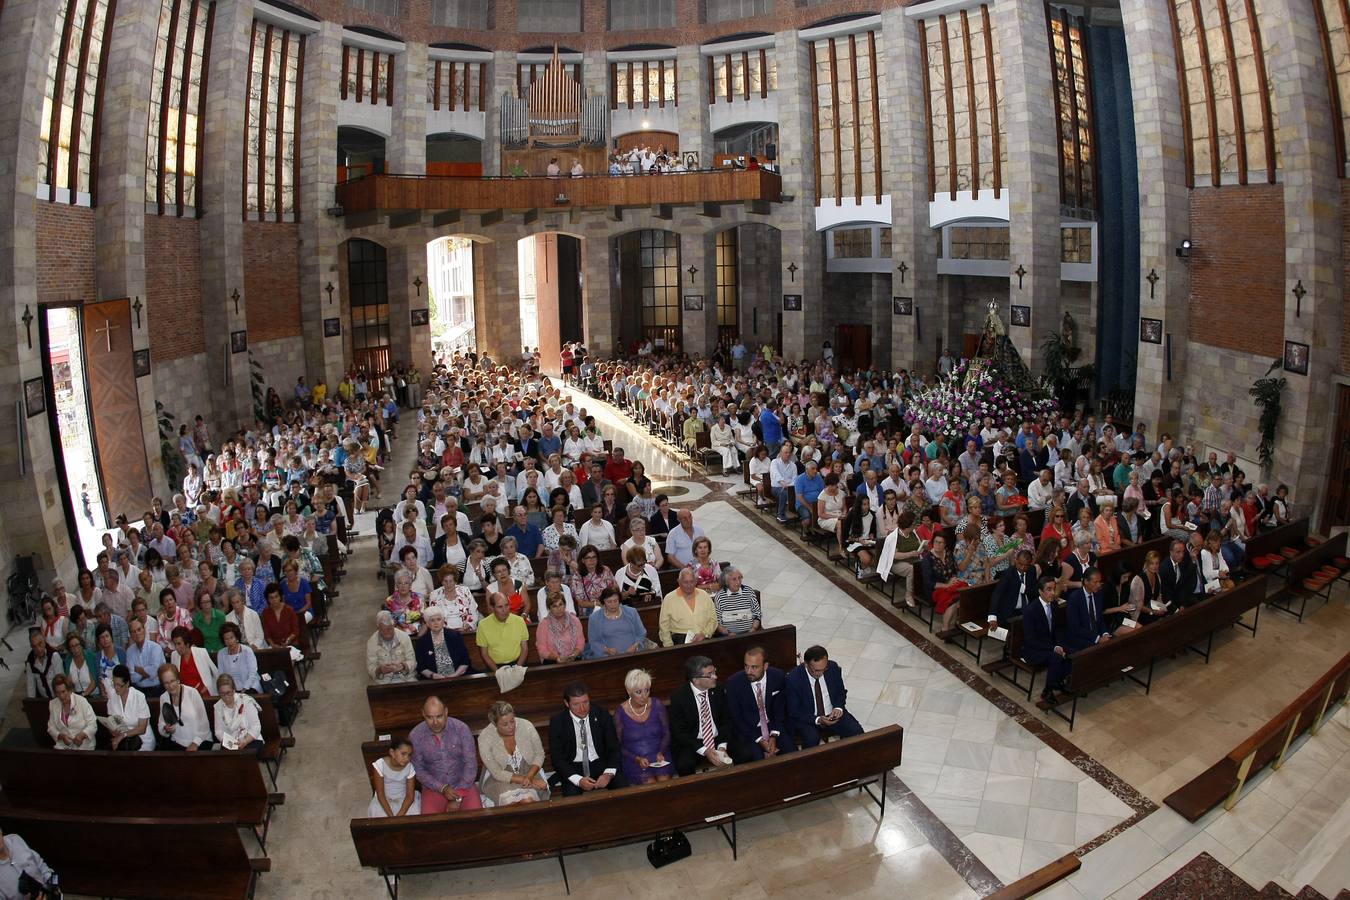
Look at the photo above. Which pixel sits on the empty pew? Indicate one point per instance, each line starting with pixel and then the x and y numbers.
pixel 1312 573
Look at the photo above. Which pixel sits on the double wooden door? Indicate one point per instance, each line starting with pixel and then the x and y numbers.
pixel 114 407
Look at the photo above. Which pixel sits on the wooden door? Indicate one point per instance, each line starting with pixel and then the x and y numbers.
pixel 1336 510
pixel 852 346
pixel 114 407
pixel 970 345
pixel 546 303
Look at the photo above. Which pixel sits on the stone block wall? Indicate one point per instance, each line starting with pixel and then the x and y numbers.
pixel 65 252
pixel 184 386
pixel 282 361
pixel 272 280
pixel 1237 268
pixel 173 288
pixel 1216 412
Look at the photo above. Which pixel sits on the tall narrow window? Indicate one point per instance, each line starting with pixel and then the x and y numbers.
pixel 656 89
pixel 1071 80
pixel 1333 23
pixel 272 127
pixel 728 286
pixel 659 263
pixel 368 288
pixel 68 153
pixel 967 140
pixel 177 101
pixel 848 120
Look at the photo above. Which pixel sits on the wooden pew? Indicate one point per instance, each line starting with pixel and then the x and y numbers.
pixel 1304 565
pixel 155 784
pixel 397 708
pixel 278 659
pixel 650 613
pixel 1223 781
pixel 107 856
pixel 1294 534
pixel 35 709
pixel 1131 558
pixel 1137 650
pixel 412 845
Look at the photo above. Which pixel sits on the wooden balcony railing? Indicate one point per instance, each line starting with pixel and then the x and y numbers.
pixel 402 193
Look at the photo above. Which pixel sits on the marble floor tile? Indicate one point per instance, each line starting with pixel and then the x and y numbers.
pixel 1004 819
pixel 1011 760
pixel 1052 826
pixel 965 755
pixel 1002 854
pixel 1009 789
pixel 1036 854
pixel 1116 863
pixel 965 784
pixel 1049 793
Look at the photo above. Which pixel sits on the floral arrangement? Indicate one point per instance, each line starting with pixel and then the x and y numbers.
pixel 970 394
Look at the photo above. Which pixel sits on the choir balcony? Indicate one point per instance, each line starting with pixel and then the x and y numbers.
pixel 403 199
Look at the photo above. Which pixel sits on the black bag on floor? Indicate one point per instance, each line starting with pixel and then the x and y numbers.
pixel 668 848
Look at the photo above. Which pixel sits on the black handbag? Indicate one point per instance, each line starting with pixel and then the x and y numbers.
pixel 668 848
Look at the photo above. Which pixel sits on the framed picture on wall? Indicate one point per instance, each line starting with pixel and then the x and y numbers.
pixel 1021 316
pixel 693 302
pixel 238 341
pixel 903 306
pixel 792 303
pixel 420 317
pixel 1150 331
pixel 140 361
pixel 34 397
pixel 1295 358
pixel 332 327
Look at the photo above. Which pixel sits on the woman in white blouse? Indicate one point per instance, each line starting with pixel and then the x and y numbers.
pixel 638 538
pixel 237 725
pixel 455 600
pixel 129 704
pixel 183 723
pixel 475 573
pixel 596 532
pixel 70 718
pixel 246 619
pixel 1213 567
pixel 723 440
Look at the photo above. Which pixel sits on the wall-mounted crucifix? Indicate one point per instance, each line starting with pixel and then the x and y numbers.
pixel 417 283
pixel 1020 272
pixel 27 318
pixel 1299 293
pixel 235 298
pixel 329 289
pixel 792 267
pixel 692 270
pixel 138 306
pixel 106 331
pixel 1152 278
pixel 902 268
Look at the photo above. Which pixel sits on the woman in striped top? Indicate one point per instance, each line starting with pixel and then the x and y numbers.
pixel 737 606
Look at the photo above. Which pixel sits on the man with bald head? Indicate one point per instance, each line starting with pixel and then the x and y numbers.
pixel 445 758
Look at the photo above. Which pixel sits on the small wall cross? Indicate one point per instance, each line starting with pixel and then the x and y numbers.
pixel 1020 272
pixel 235 298
pixel 903 268
pixel 792 267
pixel 1152 278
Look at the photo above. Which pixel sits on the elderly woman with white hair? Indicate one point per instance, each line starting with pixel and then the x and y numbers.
pixel 643 729
pixel 513 756
pixel 738 609
pixel 440 651
pixel 389 653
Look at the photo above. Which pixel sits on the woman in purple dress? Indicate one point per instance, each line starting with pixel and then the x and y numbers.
pixel 644 732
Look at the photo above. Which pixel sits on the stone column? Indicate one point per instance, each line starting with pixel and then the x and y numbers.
pixel 802 248
pixel 599 295
pixel 692 113
pixel 222 224
pixel 698 328
pixel 120 215
pixel 502 71
pixel 407 263
pixel 904 147
pixel 497 306
pixel 321 235
pixel 1164 211
pixel 406 150
pixel 1312 246
pixel 1032 172
pixel 31 517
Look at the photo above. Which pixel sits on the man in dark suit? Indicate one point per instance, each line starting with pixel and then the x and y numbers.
pixel 758 706
pixel 1031 460
pixel 583 745
pixel 1079 499
pixel 593 490
pixel 1180 578
pixel 817 699
pixel 1086 614
pixel 1041 644
pixel 701 729
pixel 528 445
pixel 1015 589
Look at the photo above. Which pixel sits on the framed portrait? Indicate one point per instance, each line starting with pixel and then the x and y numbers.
pixel 691 160
pixel 1151 331
pixel 34 397
pixel 693 302
pixel 792 302
pixel 1296 357
pixel 420 316
pixel 902 306
pixel 332 327
pixel 1021 316
pixel 140 361
pixel 238 341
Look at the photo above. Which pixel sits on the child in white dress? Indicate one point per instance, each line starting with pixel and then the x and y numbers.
pixel 395 784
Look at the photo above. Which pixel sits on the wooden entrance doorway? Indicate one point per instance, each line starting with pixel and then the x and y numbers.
pixel 852 346
pixel 1336 511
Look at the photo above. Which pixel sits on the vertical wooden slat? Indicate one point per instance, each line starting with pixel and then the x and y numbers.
pixel 646 94
pixel 77 116
pixel 1090 102
pixel 299 105
pixel 928 108
pixel 1185 93
pixel 436 86
pixel 450 97
pixel 764 73
pixel 54 128
pixel 281 117
pixel 1203 40
pixel 346 70
pixel 389 81
pixel 467 83
pixel 482 86
pixel 745 73
pixel 262 124
pixel 376 61
pixel 712 81
pixel 520 80
pixel 1263 86
pixel 248 114
pixel 951 105
pixel 970 108
pixel 1235 88
pixel 857 120
pixel 834 121
pixel 731 93
pixel 1073 111
pixel 993 100
pixel 108 18
pixel 675 80
pixel 360 73
pixel 876 110
pixel 183 80
pixel 815 110
pixel 613 85
pixel 630 84
pixel 661 84
pixel 164 103
pixel 1333 88
pixel 1056 78
pixel 201 102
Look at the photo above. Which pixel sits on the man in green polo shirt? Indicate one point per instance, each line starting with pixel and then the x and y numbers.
pixel 503 636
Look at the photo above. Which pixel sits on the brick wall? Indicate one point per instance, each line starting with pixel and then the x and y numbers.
pixel 272 280
pixel 1237 268
pixel 173 287
pixel 65 252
